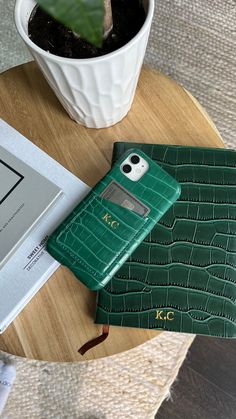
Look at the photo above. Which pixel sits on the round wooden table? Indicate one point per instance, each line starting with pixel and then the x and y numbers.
pixel 59 319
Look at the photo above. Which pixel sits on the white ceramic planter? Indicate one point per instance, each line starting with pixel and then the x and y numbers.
pixel 96 92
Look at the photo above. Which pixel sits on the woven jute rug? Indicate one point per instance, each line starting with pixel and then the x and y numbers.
pixel 132 384
pixel 194 42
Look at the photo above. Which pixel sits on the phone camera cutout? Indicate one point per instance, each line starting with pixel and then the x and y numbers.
pixel 127 168
pixel 134 167
pixel 135 159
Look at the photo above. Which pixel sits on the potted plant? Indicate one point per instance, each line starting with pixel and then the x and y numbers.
pixel 98 89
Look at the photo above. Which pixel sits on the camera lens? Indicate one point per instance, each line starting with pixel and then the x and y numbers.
pixel 127 168
pixel 135 159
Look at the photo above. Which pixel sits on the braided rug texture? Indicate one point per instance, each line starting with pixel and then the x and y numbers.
pixel 132 384
pixel 194 42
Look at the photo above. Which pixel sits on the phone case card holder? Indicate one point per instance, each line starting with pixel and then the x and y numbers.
pixel 112 230
pixel 99 235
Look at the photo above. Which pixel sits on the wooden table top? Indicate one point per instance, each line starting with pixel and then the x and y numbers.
pixel 59 319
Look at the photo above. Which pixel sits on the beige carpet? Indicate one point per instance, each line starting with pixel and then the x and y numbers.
pixel 193 41
pixel 131 385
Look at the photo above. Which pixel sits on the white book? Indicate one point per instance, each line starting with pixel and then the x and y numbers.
pixel 25 198
pixel 30 266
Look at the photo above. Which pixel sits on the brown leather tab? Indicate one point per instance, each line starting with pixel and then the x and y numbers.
pixel 96 341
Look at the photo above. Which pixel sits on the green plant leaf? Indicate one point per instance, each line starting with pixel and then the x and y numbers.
pixel 84 17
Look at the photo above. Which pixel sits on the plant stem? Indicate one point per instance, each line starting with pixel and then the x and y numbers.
pixel 108 22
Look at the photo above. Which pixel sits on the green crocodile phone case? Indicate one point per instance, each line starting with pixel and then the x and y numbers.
pixel 183 276
pixel 99 235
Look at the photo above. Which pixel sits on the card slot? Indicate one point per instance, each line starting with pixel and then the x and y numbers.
pixel 122 210
pixel 116 193
pixel 115 227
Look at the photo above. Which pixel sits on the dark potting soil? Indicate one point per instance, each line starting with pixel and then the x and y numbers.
pixel 48 34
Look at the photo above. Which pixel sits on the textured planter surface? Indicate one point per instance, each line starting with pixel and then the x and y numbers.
pixel 96 92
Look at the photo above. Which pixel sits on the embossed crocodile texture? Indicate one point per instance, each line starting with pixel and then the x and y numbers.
pixel 87 243
pixel 186 266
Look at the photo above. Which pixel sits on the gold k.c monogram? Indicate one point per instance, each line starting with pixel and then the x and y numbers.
pixel 161 315
pixel 108 220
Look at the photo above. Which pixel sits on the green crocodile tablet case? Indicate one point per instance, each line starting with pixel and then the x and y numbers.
pixel 99 235
pixel 182 277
